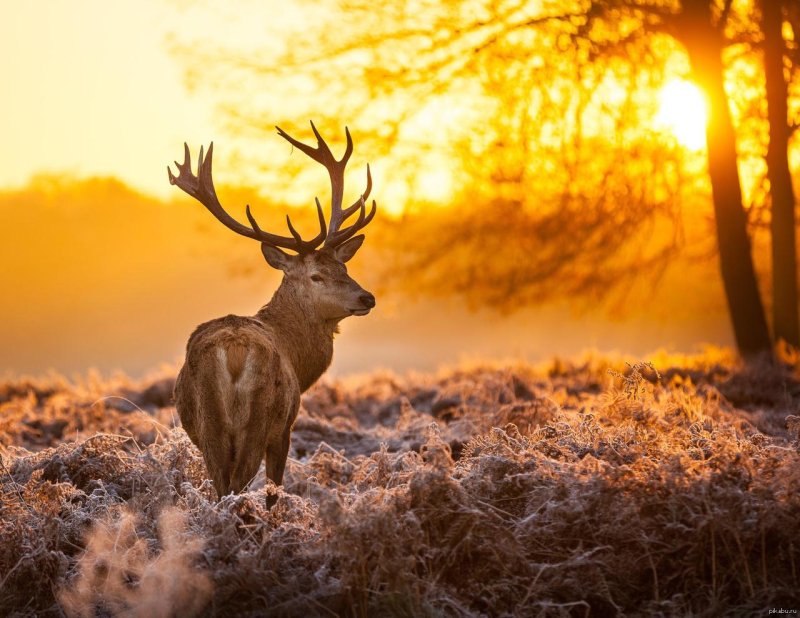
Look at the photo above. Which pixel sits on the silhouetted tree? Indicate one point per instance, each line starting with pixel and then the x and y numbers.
pixel 702 35
pixel 783 222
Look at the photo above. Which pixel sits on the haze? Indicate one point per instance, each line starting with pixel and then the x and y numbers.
pixel 115 275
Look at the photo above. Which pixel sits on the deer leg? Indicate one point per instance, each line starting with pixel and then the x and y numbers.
pixel 206 427
pixel 245 466
pixel 218 455
pixel 275 462
pixel 250 435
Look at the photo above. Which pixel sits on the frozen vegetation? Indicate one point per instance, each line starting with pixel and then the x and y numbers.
pixel 577 488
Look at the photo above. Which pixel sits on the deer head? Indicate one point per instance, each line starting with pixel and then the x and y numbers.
pixel 315 270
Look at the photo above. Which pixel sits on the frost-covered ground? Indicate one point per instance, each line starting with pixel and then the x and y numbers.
pixel 574 488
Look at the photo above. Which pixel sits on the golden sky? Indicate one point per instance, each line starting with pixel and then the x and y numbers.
pixel 90 87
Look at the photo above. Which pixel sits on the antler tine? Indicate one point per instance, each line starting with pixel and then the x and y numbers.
pixel 186 167
pixel 252 220
pixel 337 187
pixel 314 153
pixel 348 149
pixel 201 187
pixel 323 231
pixel 363 219
pixel 323 149
pixel 357 204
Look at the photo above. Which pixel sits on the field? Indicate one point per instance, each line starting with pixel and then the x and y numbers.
pixel 575 488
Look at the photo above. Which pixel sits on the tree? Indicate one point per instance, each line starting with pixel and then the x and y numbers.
pixel 540 82
pixel 694 27
pixel 782 222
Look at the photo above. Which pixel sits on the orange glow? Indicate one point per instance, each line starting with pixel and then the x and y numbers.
pixel 683 110
pixel 435 184
pixel 116 272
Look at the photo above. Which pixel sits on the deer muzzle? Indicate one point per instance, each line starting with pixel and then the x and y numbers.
pixel 367 302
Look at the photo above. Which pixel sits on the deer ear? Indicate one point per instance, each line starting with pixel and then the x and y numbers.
pixel 348 249
pixel 275 257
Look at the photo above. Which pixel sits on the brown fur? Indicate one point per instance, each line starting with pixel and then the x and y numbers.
pixel 238 393
pixel 236 355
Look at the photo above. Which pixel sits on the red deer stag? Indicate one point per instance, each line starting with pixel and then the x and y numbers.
pixel 238 392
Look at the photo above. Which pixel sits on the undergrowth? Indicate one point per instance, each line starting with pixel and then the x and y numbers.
pixel 571 489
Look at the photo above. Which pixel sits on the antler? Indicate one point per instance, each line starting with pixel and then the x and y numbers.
pixel 201 188
pixel 322 154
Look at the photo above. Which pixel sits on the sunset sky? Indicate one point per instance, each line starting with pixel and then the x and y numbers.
pixel 91 87
pixel 97 88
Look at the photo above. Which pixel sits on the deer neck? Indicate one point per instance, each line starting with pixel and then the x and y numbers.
pixel 305 341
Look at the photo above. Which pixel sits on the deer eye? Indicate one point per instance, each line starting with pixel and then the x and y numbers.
pixel 316 278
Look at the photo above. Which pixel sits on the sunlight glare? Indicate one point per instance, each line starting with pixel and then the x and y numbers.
pixel 435 184
pixel 683 110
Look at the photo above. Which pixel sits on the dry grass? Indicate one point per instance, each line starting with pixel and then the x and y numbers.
pixel 578 488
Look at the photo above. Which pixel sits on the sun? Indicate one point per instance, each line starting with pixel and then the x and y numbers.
pixel 683 110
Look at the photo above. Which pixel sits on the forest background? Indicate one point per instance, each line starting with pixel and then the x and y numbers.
pixel 541 171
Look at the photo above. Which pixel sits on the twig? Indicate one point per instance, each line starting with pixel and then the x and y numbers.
pixel 15 484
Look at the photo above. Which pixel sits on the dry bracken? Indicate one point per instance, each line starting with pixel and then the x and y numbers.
pixel 559 490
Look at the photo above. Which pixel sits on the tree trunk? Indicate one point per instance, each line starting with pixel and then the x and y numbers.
pixel 704 45
pixel 784 251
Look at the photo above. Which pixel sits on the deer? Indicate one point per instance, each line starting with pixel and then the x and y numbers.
pixel 238 392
